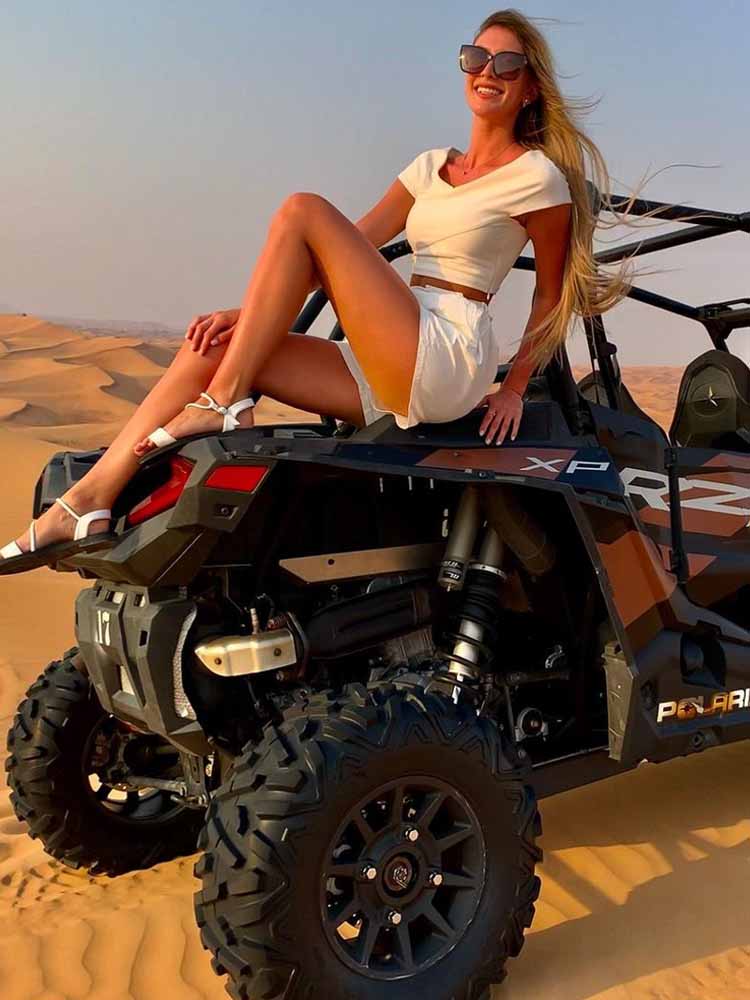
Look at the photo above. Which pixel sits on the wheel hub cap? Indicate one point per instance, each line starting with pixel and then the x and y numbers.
pixel 399 874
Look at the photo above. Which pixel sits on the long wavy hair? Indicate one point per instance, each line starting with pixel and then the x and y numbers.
pixel 549 123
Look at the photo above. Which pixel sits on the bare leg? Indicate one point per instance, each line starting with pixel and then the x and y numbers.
pixel 380 314
pixel 187 375
pixel 378 311
pixel 300 372
pixel 311 374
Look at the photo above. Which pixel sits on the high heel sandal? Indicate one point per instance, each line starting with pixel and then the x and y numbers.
pixel 14 560
pixel 161 438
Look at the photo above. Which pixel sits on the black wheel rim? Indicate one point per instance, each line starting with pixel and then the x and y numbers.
pixel 402 878
pixel 128 805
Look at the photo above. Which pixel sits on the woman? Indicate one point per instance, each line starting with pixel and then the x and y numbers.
pixel 424 352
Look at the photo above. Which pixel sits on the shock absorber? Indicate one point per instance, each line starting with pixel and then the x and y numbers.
pixel 461 541
pixel 476 631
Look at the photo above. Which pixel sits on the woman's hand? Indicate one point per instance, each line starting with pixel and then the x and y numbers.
pixel 210 329
pixel 504 409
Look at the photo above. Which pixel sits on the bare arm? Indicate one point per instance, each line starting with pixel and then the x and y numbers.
pixel 387 218
pixel 549 230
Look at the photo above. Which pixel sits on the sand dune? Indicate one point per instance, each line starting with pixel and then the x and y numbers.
pixel 654 388
pixel 76 389
pixel 71 388
pixel 646 877
pixel 9 407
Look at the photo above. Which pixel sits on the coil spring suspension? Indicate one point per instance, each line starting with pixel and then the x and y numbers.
pixel 476 633
pixel 471 641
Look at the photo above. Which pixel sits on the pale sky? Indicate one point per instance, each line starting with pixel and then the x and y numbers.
pixel 146 144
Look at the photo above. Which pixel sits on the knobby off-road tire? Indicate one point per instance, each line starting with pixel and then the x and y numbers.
pixel 283 830
pixel 51 793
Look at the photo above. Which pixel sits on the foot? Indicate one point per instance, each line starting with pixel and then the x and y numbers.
pixel 196 421
pixel 56 524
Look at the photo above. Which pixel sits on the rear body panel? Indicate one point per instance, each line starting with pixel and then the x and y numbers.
pixel 131 639
pixel 650 613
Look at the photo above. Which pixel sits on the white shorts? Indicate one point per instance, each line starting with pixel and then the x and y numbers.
pixel 457 359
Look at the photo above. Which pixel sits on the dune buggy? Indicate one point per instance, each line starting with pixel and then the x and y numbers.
pixel 345 664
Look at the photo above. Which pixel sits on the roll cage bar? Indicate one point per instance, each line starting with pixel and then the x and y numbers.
pixel 718 318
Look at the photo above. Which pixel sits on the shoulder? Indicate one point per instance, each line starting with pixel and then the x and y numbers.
pixel 547 180
pixel 546 168
pixel 438 154
pixel 416 175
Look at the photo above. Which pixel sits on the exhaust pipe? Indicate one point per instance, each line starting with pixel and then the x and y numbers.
pixel 523 535
pixel 242 655
pixel 348 627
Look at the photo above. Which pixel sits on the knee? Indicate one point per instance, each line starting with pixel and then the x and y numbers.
pixel 300 209
pixel 187 358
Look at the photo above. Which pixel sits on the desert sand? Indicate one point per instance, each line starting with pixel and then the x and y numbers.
pixel 646 878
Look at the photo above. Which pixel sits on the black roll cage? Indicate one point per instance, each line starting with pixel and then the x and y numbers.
pixel 718 318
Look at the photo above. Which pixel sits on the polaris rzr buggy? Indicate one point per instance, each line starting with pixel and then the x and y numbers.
pixel 345 663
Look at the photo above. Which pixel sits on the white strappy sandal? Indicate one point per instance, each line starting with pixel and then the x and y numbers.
pixel 161 437
pixel 14 560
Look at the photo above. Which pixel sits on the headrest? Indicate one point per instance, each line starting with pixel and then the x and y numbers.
pixel 713 401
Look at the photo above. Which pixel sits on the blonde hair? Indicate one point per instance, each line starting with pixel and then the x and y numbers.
pixel 549 123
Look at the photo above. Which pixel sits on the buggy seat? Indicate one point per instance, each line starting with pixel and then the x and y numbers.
pixel 713 404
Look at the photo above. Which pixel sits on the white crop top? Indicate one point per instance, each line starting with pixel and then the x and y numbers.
pixel 466 233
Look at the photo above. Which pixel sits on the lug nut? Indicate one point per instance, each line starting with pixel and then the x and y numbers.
pixel 436 879
pixel 369 873
pixel 394 917
pixel 411 834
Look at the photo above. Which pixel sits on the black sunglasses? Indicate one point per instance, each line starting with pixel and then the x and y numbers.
pixel 506 65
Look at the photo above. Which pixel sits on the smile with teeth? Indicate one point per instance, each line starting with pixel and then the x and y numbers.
pixel 488 91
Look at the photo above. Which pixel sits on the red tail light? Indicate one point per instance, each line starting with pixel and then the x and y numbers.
pixel 246 478
pixel 164 496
